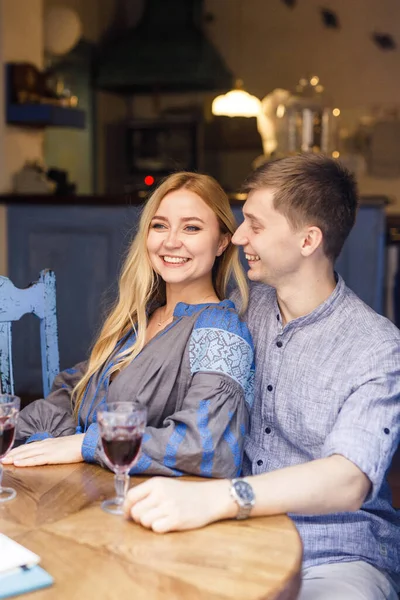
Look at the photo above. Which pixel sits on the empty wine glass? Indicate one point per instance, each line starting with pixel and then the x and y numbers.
pixel 121 426
pixel 9 409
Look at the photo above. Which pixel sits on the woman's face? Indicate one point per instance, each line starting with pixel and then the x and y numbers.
pixel 184 239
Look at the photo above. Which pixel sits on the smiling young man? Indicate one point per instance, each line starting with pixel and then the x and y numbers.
pixel 326 418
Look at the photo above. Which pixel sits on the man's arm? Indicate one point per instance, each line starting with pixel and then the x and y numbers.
pixel 327 485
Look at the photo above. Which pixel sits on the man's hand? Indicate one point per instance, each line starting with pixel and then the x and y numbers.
pixel 51 451
pixel 163 504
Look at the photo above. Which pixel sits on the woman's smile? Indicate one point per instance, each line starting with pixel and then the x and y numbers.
pixel 174 261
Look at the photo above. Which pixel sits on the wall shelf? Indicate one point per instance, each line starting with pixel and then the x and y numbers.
pixel 44 115
pixel 38 114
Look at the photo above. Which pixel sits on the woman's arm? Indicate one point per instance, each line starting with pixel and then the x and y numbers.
pixel 51 416
pixel 48 426
pixel 205 437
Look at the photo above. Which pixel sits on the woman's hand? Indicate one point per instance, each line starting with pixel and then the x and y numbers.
pixel 163 504
pixel 51 451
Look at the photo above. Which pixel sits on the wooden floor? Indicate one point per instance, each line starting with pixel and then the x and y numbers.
pixel 394 479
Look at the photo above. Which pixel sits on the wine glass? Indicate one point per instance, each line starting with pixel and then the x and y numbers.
pixel 9 409
pixel 121 426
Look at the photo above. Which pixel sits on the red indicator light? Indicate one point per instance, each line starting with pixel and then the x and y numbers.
pixel 149 180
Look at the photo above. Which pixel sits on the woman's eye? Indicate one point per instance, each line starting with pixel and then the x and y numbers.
pixel 157 226
pixel 192 228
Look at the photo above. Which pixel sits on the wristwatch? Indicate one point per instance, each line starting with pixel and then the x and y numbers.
pixel 244 496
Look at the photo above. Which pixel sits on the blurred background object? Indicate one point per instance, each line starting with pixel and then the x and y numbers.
pixel 62 29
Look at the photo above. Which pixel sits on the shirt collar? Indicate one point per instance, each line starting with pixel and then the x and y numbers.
pixel 321 311
pixel 186 310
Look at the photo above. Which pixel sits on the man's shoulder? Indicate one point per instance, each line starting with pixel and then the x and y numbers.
pixel 363 321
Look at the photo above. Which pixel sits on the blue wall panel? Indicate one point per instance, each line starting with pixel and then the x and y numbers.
pixel 85 247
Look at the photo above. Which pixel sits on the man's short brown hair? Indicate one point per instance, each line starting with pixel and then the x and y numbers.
pixel 311 189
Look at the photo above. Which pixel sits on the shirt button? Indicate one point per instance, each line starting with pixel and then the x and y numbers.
pixel 383 549
pixel 259 462
pixel 279 344
pixel 269 388
pixel 268 430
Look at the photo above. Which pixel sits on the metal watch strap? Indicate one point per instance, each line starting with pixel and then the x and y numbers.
pixel 244 509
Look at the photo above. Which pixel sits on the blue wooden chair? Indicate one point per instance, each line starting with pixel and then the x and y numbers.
pixel 40 299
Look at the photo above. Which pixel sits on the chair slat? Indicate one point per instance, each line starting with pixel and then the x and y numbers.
pixel 48 331
pixel 39 299
pixel 15 303
pixel 6 371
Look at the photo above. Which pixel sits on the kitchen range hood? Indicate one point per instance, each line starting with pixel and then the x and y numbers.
pixel 166 52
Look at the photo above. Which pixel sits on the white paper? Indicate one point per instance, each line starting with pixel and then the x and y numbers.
pixel 13 555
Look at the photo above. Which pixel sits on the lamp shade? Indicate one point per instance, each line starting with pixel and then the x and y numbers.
pixel 236 103
pixel 62 30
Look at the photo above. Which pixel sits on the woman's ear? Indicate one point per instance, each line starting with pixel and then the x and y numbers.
pixel 223 243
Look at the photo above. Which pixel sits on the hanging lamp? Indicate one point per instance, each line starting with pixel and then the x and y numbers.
pixel 236 103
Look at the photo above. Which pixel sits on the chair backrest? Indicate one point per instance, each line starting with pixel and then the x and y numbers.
pixel 40 299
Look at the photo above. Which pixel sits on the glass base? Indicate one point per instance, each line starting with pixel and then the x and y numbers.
pixel 113 506
pixel 7 494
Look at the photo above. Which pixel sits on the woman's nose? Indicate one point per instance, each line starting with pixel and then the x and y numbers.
pixel 172 240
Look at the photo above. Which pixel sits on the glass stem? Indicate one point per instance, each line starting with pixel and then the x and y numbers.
pixel 1 476
pixel 121 481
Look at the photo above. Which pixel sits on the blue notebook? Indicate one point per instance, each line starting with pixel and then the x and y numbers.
pixel 22 580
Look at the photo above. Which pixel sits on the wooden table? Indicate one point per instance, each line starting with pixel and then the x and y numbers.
pixel 95 555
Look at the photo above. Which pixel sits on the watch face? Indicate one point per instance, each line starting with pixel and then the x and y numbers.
pixel 244 491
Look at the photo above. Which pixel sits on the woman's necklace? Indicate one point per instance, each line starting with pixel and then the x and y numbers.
pixel 162 321
pixel 159 323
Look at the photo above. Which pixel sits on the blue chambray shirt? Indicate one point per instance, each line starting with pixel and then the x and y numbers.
pixel 329 383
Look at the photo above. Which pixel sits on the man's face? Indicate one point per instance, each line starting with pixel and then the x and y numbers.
pixel 272 247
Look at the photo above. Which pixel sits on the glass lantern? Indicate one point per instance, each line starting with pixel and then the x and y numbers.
pixel 292 123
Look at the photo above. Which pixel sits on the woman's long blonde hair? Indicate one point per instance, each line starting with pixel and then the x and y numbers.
pixel 139 285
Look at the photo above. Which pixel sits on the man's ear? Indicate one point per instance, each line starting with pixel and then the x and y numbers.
pixel 312 240
pixel 223 243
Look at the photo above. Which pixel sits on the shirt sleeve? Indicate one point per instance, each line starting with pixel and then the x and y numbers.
pixel 51 416
pixel 367 430
pixel 205 436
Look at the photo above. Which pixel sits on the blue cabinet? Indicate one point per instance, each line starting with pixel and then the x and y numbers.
pixel 85 246
pixel 362 261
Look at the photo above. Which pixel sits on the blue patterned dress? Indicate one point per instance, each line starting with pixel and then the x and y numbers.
pixel 196 379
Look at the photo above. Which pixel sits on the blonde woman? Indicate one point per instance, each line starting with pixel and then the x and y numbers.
pixel 172 342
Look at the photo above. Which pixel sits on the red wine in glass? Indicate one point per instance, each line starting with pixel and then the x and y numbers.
pixel 121 426
pixel 123 450
pixel 9 410
pixel 7 434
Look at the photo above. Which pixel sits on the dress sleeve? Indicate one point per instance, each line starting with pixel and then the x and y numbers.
pixel 51 416
pixel 205 436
